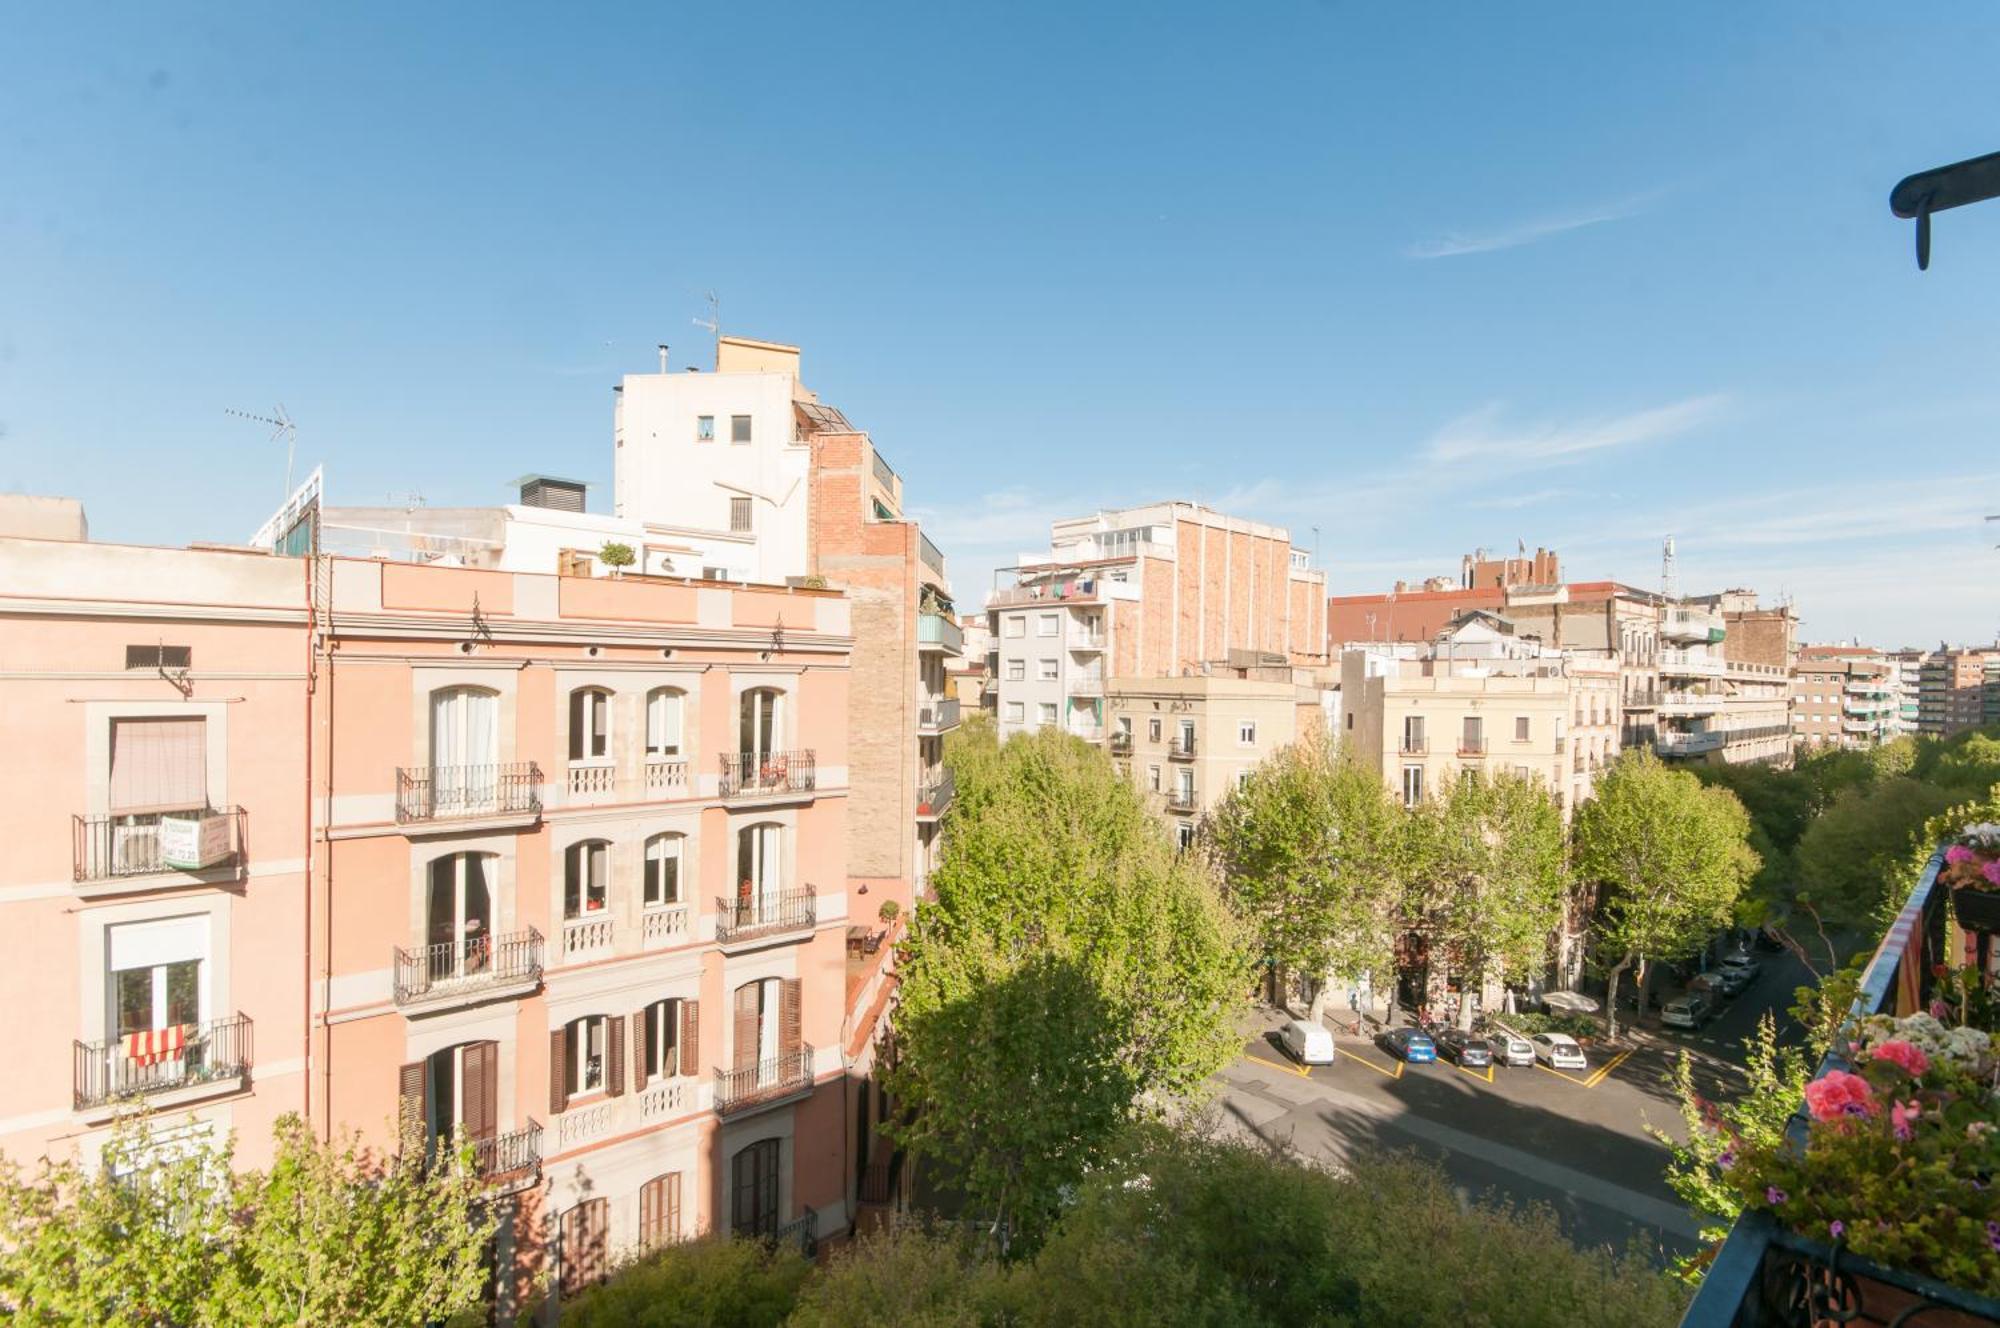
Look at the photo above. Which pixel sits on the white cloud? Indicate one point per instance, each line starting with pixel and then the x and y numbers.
pixel 1480 436
pixel 1456 244
pixel 1510 501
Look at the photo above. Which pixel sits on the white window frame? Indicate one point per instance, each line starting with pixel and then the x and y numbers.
pixel 666 716
pixel 1014 626
pixel 1246 733
pixel 667 846
pixel 578 1034
pixel 704 428
pixel 1046 670
pixel 1048 625
pixel 1017 712
pixel 1017 670
pixel 593 716
pixel 1045 712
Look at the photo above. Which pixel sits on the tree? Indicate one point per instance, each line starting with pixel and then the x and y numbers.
pixel 1487 878
pixel 1670 855
pixel 166 1232
pixel 1855 855
pixel 1311 851
pixel 616 556
pixel 1072 973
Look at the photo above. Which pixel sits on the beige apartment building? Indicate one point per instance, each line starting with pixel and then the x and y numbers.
pixel 1843 696
pixel 1144 592
pixel 1186 742
pixel 1951 690
pixel 1725 701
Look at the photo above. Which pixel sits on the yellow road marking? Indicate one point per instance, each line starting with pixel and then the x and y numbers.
pixel 1299 1070
pixel 1358 1060
pixel 1560 1075
pixel 1488 1076
pixel 1609 1066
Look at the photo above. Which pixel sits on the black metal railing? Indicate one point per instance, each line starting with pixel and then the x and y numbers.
pixel 1765 1274
pixel 1181 800
pixel 801 1232
pixel 515 1156
pixel 1181 748
pixel 744 919
pixel 470 964
pixel 446 792
pixel 105 848
pixel 939 715
pixel 160 1061
pixel 750 774
pixel 780 1076
pixel 879 1180
pixel 1121 742
pixel 935 796
pixel 1416 744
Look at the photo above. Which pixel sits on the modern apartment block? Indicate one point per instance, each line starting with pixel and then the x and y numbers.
pixel 1951 690
pixel 1715 707
pixel 1843 696
pixel 1186 742
pixel 153 893
pixel 1144 592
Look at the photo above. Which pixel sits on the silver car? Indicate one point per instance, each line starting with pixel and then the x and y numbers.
pixel 1510 1049
pixel 1690 1009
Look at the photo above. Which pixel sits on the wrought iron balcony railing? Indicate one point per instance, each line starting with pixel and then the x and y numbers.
pixel 1121 742
pixel 141 1064
pixel 802 1232
pixel 511 1160
pixel 756 774
pixel 1181 748
pixel 1471 744
pixel 468 966
pixel 934 797
pixel 780 1076
pixel 456 792
pixel 746 919
pixel 109 847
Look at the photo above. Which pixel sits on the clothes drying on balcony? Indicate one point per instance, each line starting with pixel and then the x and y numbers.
pixel 151 1046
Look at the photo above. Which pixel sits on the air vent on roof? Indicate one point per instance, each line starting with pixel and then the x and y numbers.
pixel 554 494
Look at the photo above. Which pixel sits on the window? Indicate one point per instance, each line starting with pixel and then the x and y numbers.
pixel 1414 739
pixel 1045 670
pixel 1184 836
pixel 1246 733
pixel 766 1028
pixel 1350 719
pixel 1016 625
pixel 739 514
pixel 665 1034
pixel 1048 624
pixel 1523 772
pixel 587 1060
pixel 1124 723
pixel 586 1231
pixel 1152 730
pixel 1520 728
pixel 1186 789
pixel 660 1211
pixel 1413 785
pixel 663 871
pixel 663 723
pixel 158 765
pixel 1017 670
pixel 757 723
pixel 1014 712
pixel 158 975
pixel 1472 736
pixel 739 428
pixel 465 731
pixel 458 929
pixel 456 1087
pixel 586 869
pixel 159 657
pixel 753 1186
pixel 759 870
pixel 1186 740
pixel 589 724
pixel 1242 779
pixel 1045 713
pixel 704 428
pixel 1153 778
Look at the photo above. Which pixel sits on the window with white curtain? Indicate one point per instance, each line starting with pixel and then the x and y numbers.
pixel 589 724
pixel 663 723
pixel 759 867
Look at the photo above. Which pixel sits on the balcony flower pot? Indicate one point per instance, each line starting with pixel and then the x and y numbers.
pixel 1972 870
pixel 1976 909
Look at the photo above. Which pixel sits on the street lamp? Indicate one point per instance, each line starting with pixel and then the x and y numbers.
pixel 1926 192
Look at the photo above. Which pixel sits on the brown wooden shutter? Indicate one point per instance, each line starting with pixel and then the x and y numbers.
pixel 670 1220
pixel 558 1077
pixel 411 1082
pixel 788 1018
pixel 687 1056
pixel 744 1056
pixel 482 1089
pixel 649 1214
pixel 642 1049
pixel 614 1056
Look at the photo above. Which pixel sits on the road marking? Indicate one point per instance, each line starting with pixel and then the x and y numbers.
pixel 1609 1066
pixel 1488 1076
pixel 1299 1070
pixel 1585 1083
pixel 1358 1060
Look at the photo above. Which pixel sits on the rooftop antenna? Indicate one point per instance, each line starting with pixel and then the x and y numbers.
pixel 713 323
pixel 1670 588
pixel 281 427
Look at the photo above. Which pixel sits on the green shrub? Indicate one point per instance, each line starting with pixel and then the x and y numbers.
pixel 718 1283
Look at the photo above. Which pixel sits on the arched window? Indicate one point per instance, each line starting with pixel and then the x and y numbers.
pixel 754 1189
pixel 586 878
pixel 663 871
pixel 762 713
pixel 458 927
pixel 663 723
pixel 589 724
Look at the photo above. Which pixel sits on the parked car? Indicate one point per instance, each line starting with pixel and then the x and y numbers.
pixel 1768 943
pixel 1409 1044
pixel 1743 963
pixel 1711 986
pixel 1510 1048
pixel 1559 1051
pixel 1308 1043
pixel 1690 1009
pixel 1731 980
pixel 1464 1048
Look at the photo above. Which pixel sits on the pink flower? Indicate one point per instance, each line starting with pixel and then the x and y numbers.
pixel 1904 1054
pixel 1838 1094
pixel 1958 853
pixel 1901 1115
pixel 1991 871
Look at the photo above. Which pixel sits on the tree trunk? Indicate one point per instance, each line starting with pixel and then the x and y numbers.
pixel 1465 996
pixel 1322 993
pixel 1611 994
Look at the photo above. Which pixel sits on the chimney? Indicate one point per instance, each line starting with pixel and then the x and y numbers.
pixel 663 357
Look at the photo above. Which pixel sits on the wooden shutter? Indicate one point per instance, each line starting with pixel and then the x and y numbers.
pixel 412 1083
pixel 482 1089
pixel 649 1214
pixel 788 1018
pixel 614 1057
pixel 670 1219
pixel 642 1049
pixel 688 1054
pixel 159 765
pixel 745 1054
pixel 558 1075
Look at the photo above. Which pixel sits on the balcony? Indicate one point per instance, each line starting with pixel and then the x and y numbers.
pixel 589 937
pixel 765 1084
pixel 1688 624
pixel 593 782
pixel 1085 682
pixel 754 919
pixel 1471 744
pixel 108 851
pixel 1064 590
pixel 768 774
pixel 666 778
pixel 166 1067
pixel 510 1162
pixel 934 798
pixel 1181 748
pixel 1763 1272
pixel 1182 801
pixel 1121 742
pixel 935 632
pixel 1691 703
pixel 479 968
pixel 1080 639
pixel 459 793
pixel 801 1233
pixel 940 716
pixel 1690 664
pixel 1415 744
pixel 930 555
pixel 1687 744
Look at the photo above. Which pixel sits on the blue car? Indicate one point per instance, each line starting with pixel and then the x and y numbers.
pixel 1409 1044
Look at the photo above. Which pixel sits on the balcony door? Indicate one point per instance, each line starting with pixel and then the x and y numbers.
pixel 459 926
pixel 762 711
pixel 465 747
pixel 767 1028
pixel 456 1088
pixel 159 976
pixel 754 1189
pixel 759 871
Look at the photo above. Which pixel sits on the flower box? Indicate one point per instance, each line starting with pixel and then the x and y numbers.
pixel 1977 910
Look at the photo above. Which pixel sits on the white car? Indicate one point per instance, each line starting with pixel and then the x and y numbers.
pixel 1559 1051
pixel 1510 1048
pixel 1743 967
pixel 1307 1043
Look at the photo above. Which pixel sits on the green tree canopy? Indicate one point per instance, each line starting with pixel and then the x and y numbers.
pixel 1856 854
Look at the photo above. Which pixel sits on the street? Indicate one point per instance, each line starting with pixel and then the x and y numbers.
pixel 1573 1141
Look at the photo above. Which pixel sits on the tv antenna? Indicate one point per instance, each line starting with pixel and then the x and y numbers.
pixel 714 320
pixel 281 427
pixel 1669 578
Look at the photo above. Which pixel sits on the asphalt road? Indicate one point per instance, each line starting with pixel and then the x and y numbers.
pixel 1573 1141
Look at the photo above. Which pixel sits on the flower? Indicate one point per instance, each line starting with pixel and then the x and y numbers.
pixel 1993 1236
pixel 1836 1228
pixel 1727 1160
pixel 1838 1093
pixel 1904 1054
pixel 1774 1196
pixel 1991 871
pixel 1939 1009
pixel 1958 853
pixel 1901 1115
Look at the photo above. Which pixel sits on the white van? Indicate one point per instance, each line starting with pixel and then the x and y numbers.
pixel 1307 1043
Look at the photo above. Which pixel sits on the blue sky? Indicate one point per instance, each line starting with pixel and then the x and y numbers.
pixel 1426 278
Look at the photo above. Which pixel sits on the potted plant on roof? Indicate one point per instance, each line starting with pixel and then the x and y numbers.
pixel 617 557
pixel 1972 870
